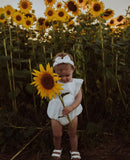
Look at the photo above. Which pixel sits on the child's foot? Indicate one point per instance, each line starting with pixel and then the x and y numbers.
pixel 75 155
pixel 56 154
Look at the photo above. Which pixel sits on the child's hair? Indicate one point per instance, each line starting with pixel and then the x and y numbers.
pixel 62 55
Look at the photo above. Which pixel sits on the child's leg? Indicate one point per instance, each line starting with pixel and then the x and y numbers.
pixel 72 132
pixel 57 133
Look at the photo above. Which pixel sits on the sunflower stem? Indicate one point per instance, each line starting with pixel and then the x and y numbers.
pixel 103 58
pixel 44 50
pixel 17 29
pixel 8 70
pixel 119 88
pixel 61 99
pixel 30 68
pixel 12 70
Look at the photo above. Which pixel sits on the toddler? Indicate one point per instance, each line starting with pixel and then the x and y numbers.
pixel 64 66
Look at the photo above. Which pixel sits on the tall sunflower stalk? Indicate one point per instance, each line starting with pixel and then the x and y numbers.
pixel 12 69
pixel 103 56
pixel 30 68
pixel 116 76
pixel 46 83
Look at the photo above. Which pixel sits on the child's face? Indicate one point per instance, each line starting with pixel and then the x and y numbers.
pixel 65 71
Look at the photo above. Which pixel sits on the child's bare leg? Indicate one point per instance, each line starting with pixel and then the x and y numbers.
pixel 72 132
pixel 57 133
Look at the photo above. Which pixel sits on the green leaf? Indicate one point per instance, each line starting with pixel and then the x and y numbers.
pixel 30 89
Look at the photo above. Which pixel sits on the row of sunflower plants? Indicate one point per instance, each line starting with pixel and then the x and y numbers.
pixel 99 44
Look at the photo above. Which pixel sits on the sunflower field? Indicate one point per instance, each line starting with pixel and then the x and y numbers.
pixel 100 45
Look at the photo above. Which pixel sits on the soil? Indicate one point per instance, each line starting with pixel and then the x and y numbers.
pixel 114 149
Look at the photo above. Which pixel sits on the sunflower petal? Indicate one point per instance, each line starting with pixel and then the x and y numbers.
pixel 41 68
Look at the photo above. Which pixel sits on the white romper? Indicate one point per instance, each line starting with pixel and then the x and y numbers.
pixel 55 106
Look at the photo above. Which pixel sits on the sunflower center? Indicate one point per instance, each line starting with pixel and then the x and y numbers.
pixel 61 14
pixel 28 23
pixel 112 21
pixel 28 15
pixel 120 18
pixel 59 5
pixel 47 81
pixel 49 1
pixel 24 5
pixel 47 24
pixel 107 13
pixel 50 13
pixel 8 12
pixel 97 7
pixel 72 6
pixel 18 18
pixel 41 21
pixel 80 1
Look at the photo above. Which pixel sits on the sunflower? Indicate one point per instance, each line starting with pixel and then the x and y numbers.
pixel 107 14
pixel 49 2
pixel 50 13
pixel 9 10
pixel 112 22
pixel 46 82
pixel 18 17
pixel 2 15
pixel 47 23
pixel 73 7
pixel 59 5
pixel 25 6
pixel 40 23
pixel 28 22
pixel 30 15
pixel 61 14
pixel 120 19
pixel 96 8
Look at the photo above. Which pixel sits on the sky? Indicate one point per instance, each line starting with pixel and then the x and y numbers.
pixel 119 6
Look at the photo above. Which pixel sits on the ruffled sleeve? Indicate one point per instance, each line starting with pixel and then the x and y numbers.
pixel 78 84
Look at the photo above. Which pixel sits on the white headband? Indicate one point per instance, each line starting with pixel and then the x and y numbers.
pixel 60 60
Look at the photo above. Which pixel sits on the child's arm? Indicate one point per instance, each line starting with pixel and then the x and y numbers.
pixel 75 104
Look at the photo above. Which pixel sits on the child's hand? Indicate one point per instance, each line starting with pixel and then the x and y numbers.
pixel 67 110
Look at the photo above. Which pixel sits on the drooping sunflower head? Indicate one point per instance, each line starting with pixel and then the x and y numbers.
pixel 120 19
pixel 18 17
pixel 49 2
pixel 96 8
pixel 25 6
pixel 27 22
pixel 40 23
pixel 107 14
pixel 46 82
pixel 47 23
pixel 73 7
pixel 9 10
pixel 50 13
